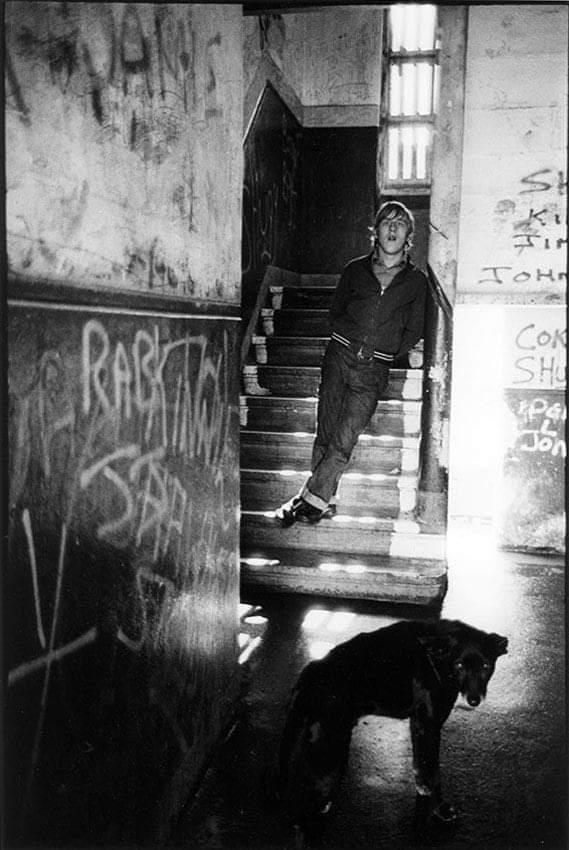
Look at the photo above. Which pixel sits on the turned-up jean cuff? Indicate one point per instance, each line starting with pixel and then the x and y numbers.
pixel 313 500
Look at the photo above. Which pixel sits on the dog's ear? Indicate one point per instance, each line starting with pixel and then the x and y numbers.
pixel 438 646
pixel 499 644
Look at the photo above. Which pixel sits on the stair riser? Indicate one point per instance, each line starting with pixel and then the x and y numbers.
pixel 317 298
pixel 288 419
pixel 283 456
pixel 332 536
pixel 383 587
pixel 297 323
pixel 305 382
pixel 283 354
pixel 376 502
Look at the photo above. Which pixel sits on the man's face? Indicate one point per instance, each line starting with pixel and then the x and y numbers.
pixel 392 233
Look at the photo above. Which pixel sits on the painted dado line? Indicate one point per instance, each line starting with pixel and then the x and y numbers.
pixel 79 308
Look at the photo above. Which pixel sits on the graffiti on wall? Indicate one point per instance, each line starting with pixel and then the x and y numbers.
pixel 532 230
pixel 535 353
pixel 136 102
pixel 536 348
pixel 116 424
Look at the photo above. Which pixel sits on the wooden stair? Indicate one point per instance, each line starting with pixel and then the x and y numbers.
pixel 373 548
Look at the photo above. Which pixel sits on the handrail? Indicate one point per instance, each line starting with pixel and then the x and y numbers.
pixel 438 293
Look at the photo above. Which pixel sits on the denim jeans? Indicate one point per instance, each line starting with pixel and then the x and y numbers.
pixel 348 395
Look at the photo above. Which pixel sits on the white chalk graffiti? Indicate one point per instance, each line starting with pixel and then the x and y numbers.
pixel 191 425
pixel 546 422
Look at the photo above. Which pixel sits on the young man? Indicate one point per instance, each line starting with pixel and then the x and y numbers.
pixel 377 315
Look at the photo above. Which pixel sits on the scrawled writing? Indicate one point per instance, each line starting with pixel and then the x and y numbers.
pixel 532 232
pixel 543 427
pixel 540 356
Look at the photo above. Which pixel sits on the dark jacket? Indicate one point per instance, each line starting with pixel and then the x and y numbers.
pixel 391 323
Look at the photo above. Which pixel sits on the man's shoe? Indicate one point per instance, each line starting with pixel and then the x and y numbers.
pixel 284 514
pixel 330 512
pixel 298 511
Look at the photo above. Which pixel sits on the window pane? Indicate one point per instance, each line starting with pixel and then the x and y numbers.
pixel 396 22
pixel 424 88
pixel 410 29
pixel 407 144
pixel 427 21
pixel 393 153
pixel 408 84
pixel 395 90
pixel 422 139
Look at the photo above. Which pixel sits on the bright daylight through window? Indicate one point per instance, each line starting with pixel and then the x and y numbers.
pixel 412 64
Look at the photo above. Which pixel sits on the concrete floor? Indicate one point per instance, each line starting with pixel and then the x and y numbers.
pixel 503 763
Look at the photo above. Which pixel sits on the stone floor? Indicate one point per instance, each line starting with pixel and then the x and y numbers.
pixel 504 763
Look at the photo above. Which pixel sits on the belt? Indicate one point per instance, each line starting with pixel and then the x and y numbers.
pixel 358 350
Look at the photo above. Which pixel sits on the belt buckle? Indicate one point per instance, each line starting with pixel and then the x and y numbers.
pixel 361 356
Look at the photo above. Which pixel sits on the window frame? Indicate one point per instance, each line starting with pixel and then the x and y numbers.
pixel 399 58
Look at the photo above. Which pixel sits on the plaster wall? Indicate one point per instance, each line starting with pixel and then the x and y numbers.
pixel 121 586
pixel 330 58
pixel 513 209
pixel 510 334
pixel 123 146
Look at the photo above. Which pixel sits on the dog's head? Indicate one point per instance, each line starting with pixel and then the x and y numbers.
pixel 471 654
pixel 474 665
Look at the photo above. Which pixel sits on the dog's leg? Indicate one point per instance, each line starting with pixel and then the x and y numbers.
pixel 426 738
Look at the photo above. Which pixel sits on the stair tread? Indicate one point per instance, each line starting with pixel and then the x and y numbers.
pixel 396 404
pixel 401 481
pixel 301 560
pixel 381 440
pixel 364 525
pixel 416 374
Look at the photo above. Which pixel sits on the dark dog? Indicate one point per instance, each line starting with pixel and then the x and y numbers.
pixel 408 669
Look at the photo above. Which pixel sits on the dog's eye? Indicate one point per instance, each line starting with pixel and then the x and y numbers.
pixel 485 666
pixel 459 665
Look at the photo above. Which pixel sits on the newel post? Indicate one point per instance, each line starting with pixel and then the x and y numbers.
pixel 432 498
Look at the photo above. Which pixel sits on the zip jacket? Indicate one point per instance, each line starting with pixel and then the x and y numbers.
pixel 384 326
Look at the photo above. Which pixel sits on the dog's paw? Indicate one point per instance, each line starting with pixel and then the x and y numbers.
pixel 445 813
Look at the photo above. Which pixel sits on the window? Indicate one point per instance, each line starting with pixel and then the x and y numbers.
pixel 409 99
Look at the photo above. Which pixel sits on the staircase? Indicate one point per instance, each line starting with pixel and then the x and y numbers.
pixel 373 548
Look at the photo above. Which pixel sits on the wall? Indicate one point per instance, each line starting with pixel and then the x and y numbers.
pixel 512 260
pixel 122 191
pixel 325 64
pixel 124 176
pixel 271 193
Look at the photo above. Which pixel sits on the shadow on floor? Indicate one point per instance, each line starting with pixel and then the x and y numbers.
pixel 503 764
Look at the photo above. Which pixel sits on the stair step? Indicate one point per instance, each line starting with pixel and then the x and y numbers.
pixel 287 413
pixel 298 351
pixel 383 579
pixel 290 350
pixel 343 535
pixel 306 297
pixel 297 322
pixel 311 280
pixel 293 450
pixel 374 495
pixel 305 380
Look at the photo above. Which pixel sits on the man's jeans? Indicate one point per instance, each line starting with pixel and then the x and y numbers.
pixel 348 395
